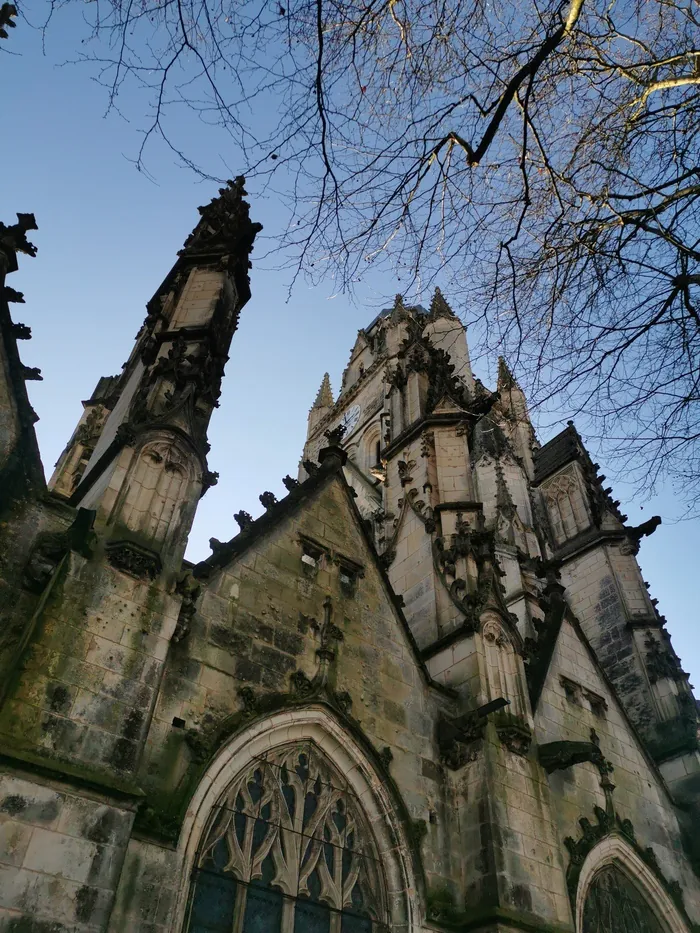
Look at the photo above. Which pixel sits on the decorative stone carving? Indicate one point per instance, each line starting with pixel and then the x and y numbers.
pixel 661 662
pixel 268 500
pixel 225 227
pixel 13 238
pixel 31 373
pixel 12 296
pixel 189 589
pixel 290 483
pixel 405 469
pixel 335 435
pixel 328 635
pixel 556 756
pixel 243 519
pixel 608 821
pixel 319 687
pixel 459 739
pixel 515 734
pixel 7 12
pixel 133 559
pixel 209 478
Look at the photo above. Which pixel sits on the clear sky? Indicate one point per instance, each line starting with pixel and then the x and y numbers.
pixel 107 236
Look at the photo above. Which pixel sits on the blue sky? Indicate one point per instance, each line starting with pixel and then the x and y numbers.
pixel 107 236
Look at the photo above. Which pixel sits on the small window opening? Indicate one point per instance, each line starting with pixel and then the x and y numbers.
pixel 178 723
pixel 311 557
pixel 348 579
pixel 572 690
pixel 597 703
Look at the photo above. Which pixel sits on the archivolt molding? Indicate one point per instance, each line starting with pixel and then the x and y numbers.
pixel 614 849
pixel 317 725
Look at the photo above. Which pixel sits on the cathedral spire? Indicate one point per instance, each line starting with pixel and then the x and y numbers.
pixel 324 396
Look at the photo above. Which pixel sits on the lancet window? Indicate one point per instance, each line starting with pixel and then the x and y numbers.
pixel 614 904
pixel 288 850
pixel 567 511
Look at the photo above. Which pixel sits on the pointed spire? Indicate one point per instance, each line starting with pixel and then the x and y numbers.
pixel 506 379
pixel 439 306
pixel 324 398
pixel 398 311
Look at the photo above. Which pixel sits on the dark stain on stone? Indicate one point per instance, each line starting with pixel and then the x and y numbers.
pixel 521 897
pixel 85 901
pixel 101 829
pixel 59 698
pixel 30 925
pixel 13 804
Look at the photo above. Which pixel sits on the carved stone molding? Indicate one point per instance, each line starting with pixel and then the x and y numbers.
pixel 515 734
pixel 459 740
pixel 609 822
pixel 134 559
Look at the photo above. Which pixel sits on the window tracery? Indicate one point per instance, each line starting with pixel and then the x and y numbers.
pixel 614 904
pixel 288 850
pixel 567 511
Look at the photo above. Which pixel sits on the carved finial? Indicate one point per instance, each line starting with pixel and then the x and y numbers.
pixel 335 435
pixel 225 226
pixel 244 519
pixel 439 306
pixel 324 397
pixel 290 483
pixel 7 12
pixel 268 499
pixel 310 467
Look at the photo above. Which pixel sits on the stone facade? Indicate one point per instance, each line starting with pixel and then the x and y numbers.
pixel 425 691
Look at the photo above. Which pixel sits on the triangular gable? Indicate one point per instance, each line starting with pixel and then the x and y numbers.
pixel 324 491
pixel 578 703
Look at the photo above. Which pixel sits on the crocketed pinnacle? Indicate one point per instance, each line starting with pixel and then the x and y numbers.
pixel 324 399
pixel 439 306
pixel 506 379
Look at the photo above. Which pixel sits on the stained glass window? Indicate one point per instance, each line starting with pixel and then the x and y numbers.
pixel 288 850
pixel 614 904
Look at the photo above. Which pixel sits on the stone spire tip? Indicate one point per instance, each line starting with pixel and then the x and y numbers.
pixel 439 306
pixel 324 397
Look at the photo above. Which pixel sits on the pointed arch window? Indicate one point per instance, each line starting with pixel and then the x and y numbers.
pixel 614 904
pixel 288 850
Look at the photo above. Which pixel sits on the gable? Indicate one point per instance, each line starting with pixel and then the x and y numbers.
pixel 576 699
pixel 347 571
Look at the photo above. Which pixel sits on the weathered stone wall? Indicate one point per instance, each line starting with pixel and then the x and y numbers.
pixel 258 621
pixel 85 684
pixel 568 709
pixel 61 854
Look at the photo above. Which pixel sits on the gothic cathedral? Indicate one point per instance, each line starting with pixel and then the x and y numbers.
pixel 427 690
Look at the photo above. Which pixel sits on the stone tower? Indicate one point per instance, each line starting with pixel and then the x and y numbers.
pixel 425 691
